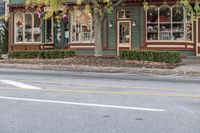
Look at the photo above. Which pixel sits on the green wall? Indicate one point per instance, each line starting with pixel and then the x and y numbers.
pixel 137 31
pixel 112 31
pixel 141 25
pixel 17 1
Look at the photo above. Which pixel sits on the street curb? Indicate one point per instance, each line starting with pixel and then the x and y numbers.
pixel 92 69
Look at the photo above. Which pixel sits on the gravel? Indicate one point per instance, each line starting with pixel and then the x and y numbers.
pixel 94 61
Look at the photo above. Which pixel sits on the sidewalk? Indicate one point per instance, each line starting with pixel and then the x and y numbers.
pixel 190 67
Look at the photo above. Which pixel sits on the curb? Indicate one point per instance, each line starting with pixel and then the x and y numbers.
pixel 92 69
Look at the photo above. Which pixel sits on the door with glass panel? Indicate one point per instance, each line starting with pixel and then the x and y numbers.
pixel 123 35
pixel 198 37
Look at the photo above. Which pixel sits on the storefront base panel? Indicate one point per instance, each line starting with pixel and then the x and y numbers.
pixel 187 53
pixel 25 47
pixel 84 52
pixel 92 52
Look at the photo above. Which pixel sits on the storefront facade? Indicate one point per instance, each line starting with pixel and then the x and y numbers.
pixel 160 27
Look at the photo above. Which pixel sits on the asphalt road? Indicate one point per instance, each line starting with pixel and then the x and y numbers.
pixel 78 102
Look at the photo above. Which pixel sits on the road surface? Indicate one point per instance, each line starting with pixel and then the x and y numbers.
pixel 34 101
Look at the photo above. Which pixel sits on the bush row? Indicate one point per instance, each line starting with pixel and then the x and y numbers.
pixel 156 56
pixel 50 54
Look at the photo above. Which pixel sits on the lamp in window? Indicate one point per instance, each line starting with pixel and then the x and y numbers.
pixel 111 24
pixel 133 23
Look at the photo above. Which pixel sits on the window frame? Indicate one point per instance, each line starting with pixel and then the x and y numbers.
pixel 81 29
pixel 24 23
pixel 124 14
pixel 185 21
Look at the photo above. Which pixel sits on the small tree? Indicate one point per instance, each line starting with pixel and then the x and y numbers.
pixel 99 9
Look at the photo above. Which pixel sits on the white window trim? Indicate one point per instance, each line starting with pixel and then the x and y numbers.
pixel 80 39
pixel 23 21
pixel 52 30
pixel 158 23
pixel 124 12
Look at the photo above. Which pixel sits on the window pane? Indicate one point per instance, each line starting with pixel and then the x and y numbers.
pixel 76 26
pixel 19 27
pixel 121 14
pixel 152 23
pixel 124 14
pixel 124 32
pixel 177 13
pixel 37 29
pixel 49 30
pixel 165 23
pixel 152 14
pixel 178 31
pixel 165 14
pixel 128 14
pixel 28 28
pixel 165 31
pixel 86 27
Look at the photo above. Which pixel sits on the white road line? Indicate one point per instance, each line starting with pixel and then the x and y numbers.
pixel 82 104
pixel 19 84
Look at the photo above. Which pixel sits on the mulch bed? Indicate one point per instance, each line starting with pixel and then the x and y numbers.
pixel 95 61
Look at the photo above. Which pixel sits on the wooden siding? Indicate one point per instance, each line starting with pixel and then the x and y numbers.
pixel 17 1
pixel 141 25
pixel 104 34
pixel 112 31
pixel 135 29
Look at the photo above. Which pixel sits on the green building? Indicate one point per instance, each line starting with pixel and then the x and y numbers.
pixel 160 27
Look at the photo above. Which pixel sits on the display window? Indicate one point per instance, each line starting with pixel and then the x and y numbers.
pixel 49 30
pixel 81 27
pixel 166 23
pixel 19 18
pixel 27 28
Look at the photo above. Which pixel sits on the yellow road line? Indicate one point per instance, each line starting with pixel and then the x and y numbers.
pixel 113 93
pixel 120 87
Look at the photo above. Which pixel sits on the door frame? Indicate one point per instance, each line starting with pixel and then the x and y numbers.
pixel 197 36
pixel 124 45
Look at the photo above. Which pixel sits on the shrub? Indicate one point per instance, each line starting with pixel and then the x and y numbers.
pixel 156 56
pixel 51 54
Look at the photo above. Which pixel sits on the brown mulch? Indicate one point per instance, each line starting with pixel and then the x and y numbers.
pixel 95 61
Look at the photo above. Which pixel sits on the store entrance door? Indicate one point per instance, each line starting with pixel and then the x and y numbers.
pixel 198 37
pixel 123 35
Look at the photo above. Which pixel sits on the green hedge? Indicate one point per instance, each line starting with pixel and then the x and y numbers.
pixel 156 56
pixel 50 54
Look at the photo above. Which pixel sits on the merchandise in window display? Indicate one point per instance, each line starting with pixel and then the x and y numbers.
pixel 172 23
pixel 19 31
pixel 189 31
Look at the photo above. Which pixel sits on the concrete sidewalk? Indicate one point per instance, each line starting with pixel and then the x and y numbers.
pixel 189 67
